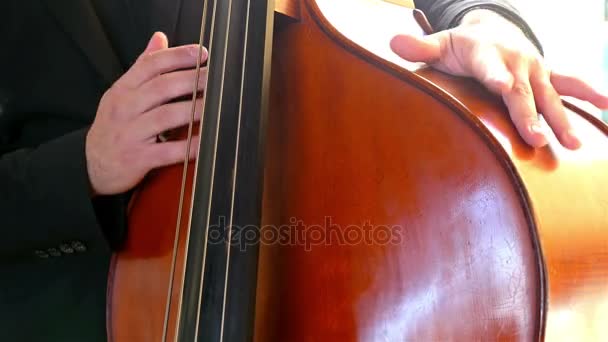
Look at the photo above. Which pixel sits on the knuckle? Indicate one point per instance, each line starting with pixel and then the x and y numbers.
pixel 161 85
pixel 150 62
pixel 116 93
pixel 521 88
pixel 168 59
pixel 545 89
pixel 180 83
pixel 525 57
pixel 535 59
pixel 145 59
pixel 515 54
pixel 175 87
pixel 172 85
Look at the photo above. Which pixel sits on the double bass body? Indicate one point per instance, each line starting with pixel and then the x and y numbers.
pixel 474 235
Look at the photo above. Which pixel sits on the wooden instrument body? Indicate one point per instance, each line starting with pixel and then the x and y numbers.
pixel 413 211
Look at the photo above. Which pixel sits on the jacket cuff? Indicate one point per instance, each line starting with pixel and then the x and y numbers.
pixel 61 189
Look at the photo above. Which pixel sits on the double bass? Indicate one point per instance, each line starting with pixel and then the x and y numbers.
pixel 340 195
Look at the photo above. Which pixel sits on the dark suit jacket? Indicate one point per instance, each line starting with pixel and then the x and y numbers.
pixel 56 61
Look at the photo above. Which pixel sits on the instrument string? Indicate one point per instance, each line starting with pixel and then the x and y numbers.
pixel 184 177
pixel 219 116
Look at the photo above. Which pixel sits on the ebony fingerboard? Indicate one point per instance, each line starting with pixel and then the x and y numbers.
pixel 221 269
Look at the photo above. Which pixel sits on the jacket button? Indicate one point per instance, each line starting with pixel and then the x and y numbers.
pixel 41 254
pixel 65 248
pixel 54 252
pixel 79 246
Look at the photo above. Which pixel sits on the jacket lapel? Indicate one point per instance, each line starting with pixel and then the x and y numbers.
pixel 79 20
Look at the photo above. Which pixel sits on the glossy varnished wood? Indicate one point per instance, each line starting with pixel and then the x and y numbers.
pixel 141 272
pixel 572 233
pixel 567 192
pixel 359 142
pixel 485 219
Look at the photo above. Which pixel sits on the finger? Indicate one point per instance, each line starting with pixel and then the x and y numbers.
pixel 490 69
pixel 166 117
pixel 158 41
pixel 165 88
pixel 522 109
pixel 150 65
pixel 550 105
pixel 572 86
pixel 170 152
pixel 427 49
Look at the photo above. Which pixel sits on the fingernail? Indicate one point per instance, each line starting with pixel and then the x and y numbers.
pixel 536 128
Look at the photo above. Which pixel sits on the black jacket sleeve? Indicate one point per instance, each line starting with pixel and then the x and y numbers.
pixel 45 201
pixel 446 14
pixel 48 93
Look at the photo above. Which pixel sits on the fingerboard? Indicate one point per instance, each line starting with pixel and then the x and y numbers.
pixel 221 268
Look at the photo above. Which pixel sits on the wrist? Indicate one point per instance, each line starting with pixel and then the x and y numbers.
pixel 486 16
pixel 90 167
pixel 501 23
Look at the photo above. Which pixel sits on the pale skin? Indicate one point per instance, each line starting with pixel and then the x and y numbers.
pixel 496 52
pixel 121 146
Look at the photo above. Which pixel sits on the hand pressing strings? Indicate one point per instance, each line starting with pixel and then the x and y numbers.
pixel 122 145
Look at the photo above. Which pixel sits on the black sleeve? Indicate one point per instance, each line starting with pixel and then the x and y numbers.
pixel 446 14
pixel 45 201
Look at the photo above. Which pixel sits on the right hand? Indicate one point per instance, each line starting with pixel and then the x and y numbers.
pixel 121 146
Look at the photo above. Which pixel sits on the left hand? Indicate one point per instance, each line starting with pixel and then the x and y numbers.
pixel 496 52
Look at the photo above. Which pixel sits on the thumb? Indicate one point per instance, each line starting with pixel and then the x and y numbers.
pixel 425 49
pixel 158 41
